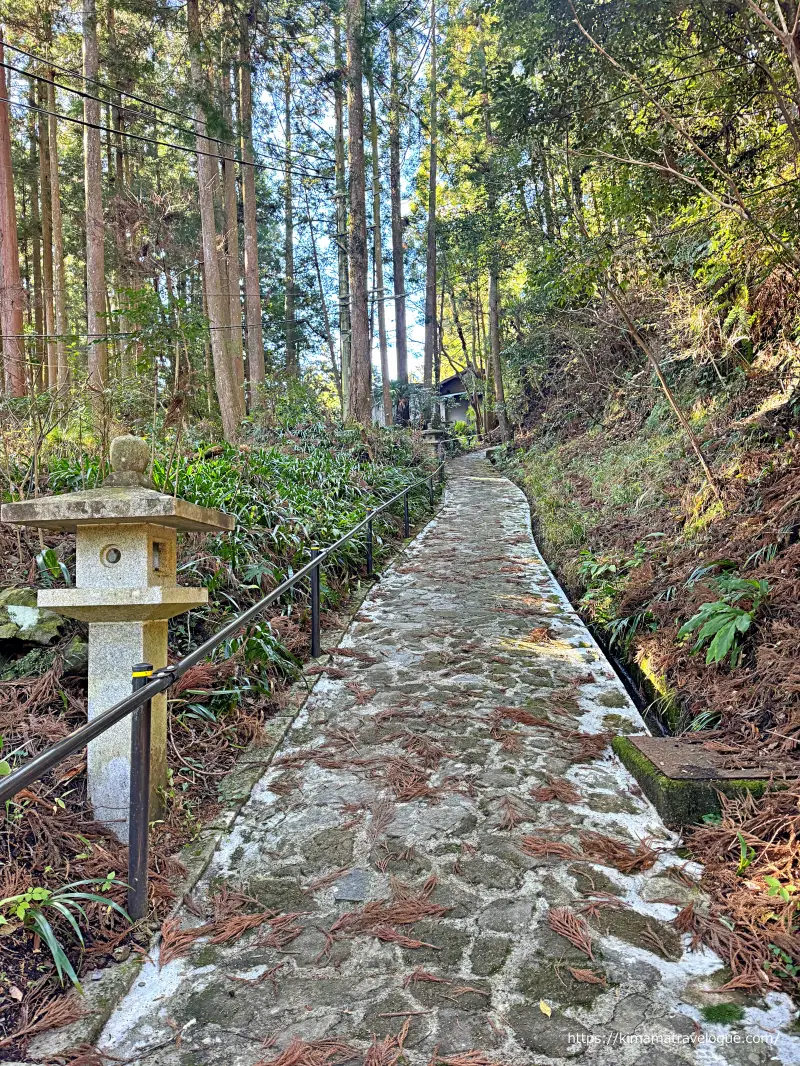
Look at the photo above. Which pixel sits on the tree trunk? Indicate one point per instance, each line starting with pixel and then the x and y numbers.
pixel 232 235
pixel 549 216
pixel 494 274
pixel 12 294
pixel 47 243
pixel 377 245
pixel 252 287
pixel 468 359
pixel 360 392
pixel 97 327
pixel 437 362
pixel 218 305
pixel 494 348
pixel 430 271
pixel 398 254
pixel 36 241
pixel 59 273
pixel 341 220
pixel 292 362
pixel 337 377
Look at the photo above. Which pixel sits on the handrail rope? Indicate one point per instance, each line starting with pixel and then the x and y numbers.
pixel 167 676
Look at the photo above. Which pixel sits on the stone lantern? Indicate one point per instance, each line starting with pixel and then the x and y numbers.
pixel 126 589
pixel 434 439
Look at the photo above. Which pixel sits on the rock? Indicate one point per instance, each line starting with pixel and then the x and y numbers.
pixel 495 874
pixel 506 915
pixel 589 879
pixel 489 954
pixel 665 1058
pixel 641 931
pixel 21 619
pixel 353 887
pixel 554 1037
pixel 551 981
pixel 657 888
pixel 630 1013
pixel 376 1024
pixel 280 894
pixel 450 944
pixel 75 657
pixel 329 847
pixel 129 457
pixel 460 1032
pixel 437 994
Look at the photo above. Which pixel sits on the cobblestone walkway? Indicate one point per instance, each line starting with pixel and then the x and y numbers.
pixel 452 859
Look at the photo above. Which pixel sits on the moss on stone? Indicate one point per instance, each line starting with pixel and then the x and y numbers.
pixel 680 802
pixel 723 1013
pixel 641 931
pixel 208 955
pixel 612 698
pixel 489 954
pixel 553 982
pixel 669 708
pixel 588 880
pixel 618 723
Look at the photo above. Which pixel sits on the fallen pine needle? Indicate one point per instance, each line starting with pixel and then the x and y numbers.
pixel 574 929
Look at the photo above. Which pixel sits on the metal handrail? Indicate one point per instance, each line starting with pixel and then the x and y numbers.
pixel 143 692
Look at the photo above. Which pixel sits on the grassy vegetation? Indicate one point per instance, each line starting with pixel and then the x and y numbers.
pixel 291 487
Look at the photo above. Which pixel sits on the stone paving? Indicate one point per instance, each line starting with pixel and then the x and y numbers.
pixel 416 841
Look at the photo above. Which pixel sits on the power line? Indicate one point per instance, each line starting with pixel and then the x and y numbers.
pixel 162 144
pixel 271 145
pixel 99 336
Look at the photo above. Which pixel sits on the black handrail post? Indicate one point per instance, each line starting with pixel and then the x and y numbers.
pixel 430 490
pixel 406 526
pixel 315 649
pixel 441 473
pixel 369 548
pixel 139 803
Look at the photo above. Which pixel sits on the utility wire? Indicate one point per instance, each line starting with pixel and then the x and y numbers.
pixel 162 144
pixel 271 145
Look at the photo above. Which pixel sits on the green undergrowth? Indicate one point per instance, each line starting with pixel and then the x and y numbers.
pixel 291 488
pixel 657 559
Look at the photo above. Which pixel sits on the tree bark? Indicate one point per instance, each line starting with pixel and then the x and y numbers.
pixel 36 241
pixel 12 294
pixel 430 269
pixel 494 348
pixel 231 214
pixel 252 287
pixel 377 252
pixel 360 391
pixel 292 362
pixel 59 273
pixel 494 274
pixel 341 219
pixel 97 327
pixel 337 377
pixel 228 394
pixel 398 252
pixel 47 243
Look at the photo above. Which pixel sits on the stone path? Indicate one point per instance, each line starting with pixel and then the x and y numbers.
pixel 426 824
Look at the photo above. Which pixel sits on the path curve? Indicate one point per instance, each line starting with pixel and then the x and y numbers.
pixel 404 790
